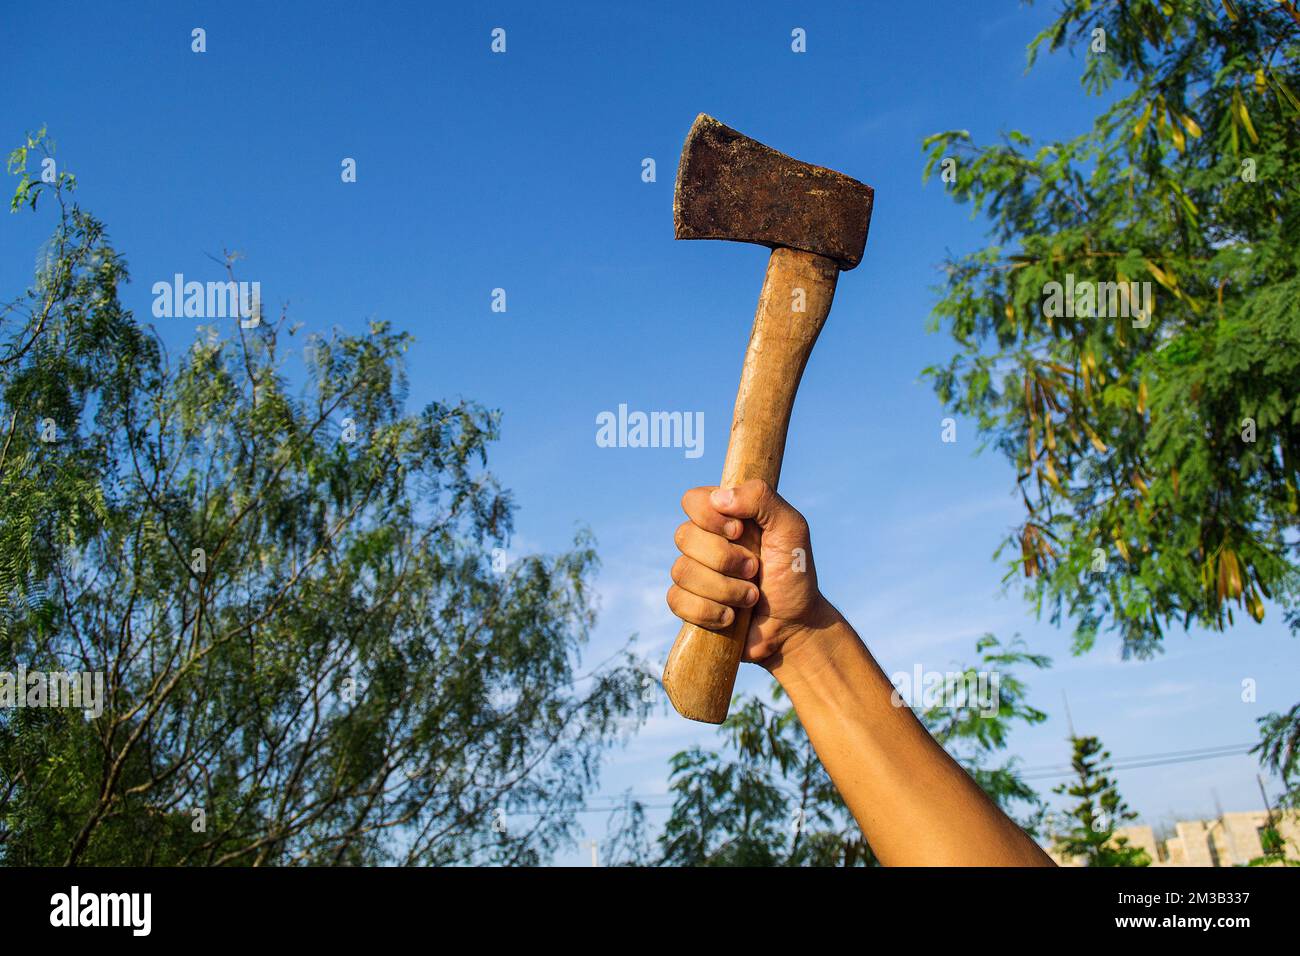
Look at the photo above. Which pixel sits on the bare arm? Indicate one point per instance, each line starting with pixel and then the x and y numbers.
pixel 915 804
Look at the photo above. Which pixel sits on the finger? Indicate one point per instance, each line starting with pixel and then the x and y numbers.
pixel 706 583
pixel 714 551
pixel 754 499
pixel 702 612
pixel 697 507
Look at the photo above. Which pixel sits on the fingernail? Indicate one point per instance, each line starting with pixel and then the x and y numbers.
pixel 731 529
pixel 752 597
pixel 751 567
pixel 722 497
pixel 728 615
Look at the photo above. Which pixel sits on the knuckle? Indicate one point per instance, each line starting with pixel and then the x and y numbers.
pixel 721 558
pixel 732 592
pixel 675 601
pixel 737 558
pixel 678 571
pixel 692 497
pixel 679 536
pixel 708 613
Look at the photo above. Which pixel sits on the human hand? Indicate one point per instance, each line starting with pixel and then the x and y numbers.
pixel 716 573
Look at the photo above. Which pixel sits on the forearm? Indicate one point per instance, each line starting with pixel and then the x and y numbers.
pixel 914 803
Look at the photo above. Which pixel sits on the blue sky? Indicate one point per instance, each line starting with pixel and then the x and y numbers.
pixel 522 171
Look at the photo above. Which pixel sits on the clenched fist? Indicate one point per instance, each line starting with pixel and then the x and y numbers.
pixel 715 574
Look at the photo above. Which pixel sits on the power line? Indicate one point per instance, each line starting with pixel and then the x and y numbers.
pixel 1141 761
pixel 1165 753
pixel 1142 766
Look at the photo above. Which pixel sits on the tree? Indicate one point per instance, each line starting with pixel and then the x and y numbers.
pixel 764 799
pixel 1272 842
pixel 296 596
pixel 1279 751
pixel 1274 846
pixel 1168 442
pixel 1100 808
pixel 1155 427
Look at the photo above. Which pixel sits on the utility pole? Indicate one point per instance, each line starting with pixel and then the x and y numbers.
pixel 1264 793
pixel 595 852
pixel 1268 808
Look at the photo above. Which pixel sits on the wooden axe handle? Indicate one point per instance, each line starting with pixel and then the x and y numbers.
pixel 792 308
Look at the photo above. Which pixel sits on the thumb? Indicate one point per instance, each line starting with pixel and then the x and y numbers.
pixel 754 499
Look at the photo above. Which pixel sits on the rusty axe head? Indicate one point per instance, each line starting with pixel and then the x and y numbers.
pixel 732 187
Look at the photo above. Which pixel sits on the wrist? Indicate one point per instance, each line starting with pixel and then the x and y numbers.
pixel 810 646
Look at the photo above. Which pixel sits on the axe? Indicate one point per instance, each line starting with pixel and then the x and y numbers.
pixel 815 222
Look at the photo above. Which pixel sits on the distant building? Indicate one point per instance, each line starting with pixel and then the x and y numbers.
pixel 1231 840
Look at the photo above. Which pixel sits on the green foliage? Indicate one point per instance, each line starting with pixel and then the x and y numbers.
pixel 1279 751
pixel 1100 808
pixel 764 799
pixel 974 737
pixel 1129 434
pixel 1273 843
pixel 300 626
